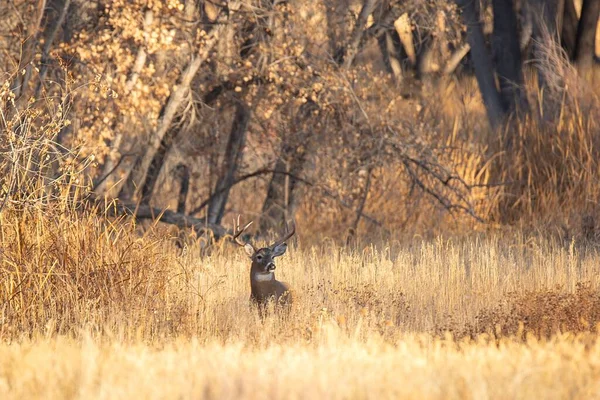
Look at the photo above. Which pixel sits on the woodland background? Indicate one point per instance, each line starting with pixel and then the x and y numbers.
pixel 369 118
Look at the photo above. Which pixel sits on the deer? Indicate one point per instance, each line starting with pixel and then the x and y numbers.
pixel 263 285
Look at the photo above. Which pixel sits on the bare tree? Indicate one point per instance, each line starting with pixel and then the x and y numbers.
pixel 136 176
pixel 586 37
pixel 484 68
pixel 233 155
pixel 283 187
pixel 507 52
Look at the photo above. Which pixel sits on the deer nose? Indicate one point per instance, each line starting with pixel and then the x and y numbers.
pixel 271 266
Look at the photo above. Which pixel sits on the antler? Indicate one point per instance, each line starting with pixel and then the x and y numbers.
pixel 285 237
pixel 237 235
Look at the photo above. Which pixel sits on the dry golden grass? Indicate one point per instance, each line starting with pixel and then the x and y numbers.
pixel 64 273
pixel 96 310
pixel 415 367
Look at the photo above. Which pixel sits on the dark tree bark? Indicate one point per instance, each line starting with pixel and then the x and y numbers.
pixel 361 206
pixel 547 15
pixel 507 52
pixel 233 155
pixel 568 34
pixel 546 23
pixel 183 174
pixel 334 23
pixel 484 69
pixel 157 164
pixel 280 196
pixel 586 37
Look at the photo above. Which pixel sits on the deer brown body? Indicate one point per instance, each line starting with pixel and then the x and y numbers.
pixel 263 285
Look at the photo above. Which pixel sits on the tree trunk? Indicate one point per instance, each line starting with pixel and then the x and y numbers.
pixel 546 20
pixel 278 205
pixel 183 174
pixel 569 28
pixel 586 37
pixel 157 164
pixel 547 15
pixel 233 155
pixel 393 11
pixel 361 206
pixel 507 52
pixel 357 33
pixel 158 214
pixel 334 18
pixel 25 68
pixel 403 27
pixel 48 42
pixel 390 44
pixel 484 70
pixel 456 58
pixel 390 56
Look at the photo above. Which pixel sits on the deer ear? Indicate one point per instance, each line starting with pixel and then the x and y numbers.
pixel 279 250
pixel 249 249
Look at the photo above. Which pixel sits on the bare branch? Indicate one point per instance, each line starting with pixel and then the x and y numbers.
pixel 265 171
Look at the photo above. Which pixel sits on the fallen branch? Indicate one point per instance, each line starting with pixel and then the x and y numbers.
pixel 162 215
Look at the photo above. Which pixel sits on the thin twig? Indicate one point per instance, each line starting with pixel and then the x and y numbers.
pixel 109 173
pixel 266 171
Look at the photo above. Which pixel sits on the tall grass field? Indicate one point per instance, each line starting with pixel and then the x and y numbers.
pixel 92 310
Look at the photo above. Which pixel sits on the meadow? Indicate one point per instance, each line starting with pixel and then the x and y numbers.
pixel 439 253
pixel 97 310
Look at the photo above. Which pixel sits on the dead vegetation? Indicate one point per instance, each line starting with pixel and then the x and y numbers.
pixel 430 248
pixel 541 313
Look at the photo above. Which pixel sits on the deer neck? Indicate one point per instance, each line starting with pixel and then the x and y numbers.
pixel 261 284
pixel 261 277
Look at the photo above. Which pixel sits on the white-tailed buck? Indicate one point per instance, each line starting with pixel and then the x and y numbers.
pixel 264 287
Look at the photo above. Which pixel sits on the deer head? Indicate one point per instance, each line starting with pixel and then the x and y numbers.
pixel 263 258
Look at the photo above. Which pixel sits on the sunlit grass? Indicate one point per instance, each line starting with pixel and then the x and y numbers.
pixel 413 367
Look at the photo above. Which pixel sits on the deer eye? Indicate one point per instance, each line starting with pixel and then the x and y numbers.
pixel 258 258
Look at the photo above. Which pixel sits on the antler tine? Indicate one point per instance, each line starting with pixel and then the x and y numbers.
pixel 287 236
pixel 237 235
